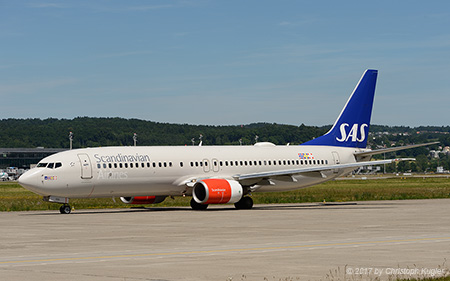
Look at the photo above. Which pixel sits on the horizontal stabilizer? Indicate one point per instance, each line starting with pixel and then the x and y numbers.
pixel 391 149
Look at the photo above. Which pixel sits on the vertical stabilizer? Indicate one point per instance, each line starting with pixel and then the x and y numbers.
pixel 351 128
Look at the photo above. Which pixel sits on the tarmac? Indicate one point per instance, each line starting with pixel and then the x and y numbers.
pixel 356 241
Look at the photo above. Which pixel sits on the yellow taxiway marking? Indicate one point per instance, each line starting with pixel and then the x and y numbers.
pixel 226 250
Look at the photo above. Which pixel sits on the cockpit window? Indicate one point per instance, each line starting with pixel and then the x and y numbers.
pixel 49 165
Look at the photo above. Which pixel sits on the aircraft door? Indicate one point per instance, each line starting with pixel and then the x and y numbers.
pixel 336 159
pixel 86 167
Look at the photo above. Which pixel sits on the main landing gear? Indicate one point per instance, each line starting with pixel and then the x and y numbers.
pixel 244 204
pixel 197 206
pixel 65 209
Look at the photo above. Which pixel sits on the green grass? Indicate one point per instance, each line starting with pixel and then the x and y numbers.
pixel 15 198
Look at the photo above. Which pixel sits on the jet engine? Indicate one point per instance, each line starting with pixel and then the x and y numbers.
pixel 143 200
pixel 217 191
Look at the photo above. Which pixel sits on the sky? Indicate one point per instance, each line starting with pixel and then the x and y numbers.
pixel 224 62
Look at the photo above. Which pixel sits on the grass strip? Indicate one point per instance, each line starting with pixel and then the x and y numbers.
pixel 15 198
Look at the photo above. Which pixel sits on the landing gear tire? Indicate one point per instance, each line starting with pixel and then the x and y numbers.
pixel 245 203
pixel 65 209
pixel 197 206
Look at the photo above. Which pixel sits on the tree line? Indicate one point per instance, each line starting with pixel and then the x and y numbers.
pixel 95 132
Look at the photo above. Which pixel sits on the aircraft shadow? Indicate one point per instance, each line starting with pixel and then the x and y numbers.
pixel 228 208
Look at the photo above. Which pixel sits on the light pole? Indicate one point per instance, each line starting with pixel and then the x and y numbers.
pixel 135 138
pixel 70 139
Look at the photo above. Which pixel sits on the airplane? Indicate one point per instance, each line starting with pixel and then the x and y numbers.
pixel 212 174
pixel 4 176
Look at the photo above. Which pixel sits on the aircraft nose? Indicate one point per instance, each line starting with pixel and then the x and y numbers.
pixel 31 181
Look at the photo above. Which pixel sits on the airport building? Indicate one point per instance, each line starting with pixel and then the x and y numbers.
pixel 24 157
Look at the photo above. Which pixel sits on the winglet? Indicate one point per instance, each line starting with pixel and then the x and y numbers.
pixel 352 126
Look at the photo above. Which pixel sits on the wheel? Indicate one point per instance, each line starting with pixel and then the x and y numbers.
pixel 65 209
pixel 245 203
pixel 198 206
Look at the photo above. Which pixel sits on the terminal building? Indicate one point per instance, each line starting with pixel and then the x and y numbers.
pixel 23 158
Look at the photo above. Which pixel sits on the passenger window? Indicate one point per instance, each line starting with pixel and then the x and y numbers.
pixel 120 165
pixel 126 165
pixel 131 165
pixel 99 166
pixel 115 165
pixel 181 164
pixel 110 165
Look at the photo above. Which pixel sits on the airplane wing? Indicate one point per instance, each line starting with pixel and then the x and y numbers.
pixel 289 173
pixel 391 149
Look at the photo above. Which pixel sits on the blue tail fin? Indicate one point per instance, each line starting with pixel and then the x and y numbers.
pixel 352 126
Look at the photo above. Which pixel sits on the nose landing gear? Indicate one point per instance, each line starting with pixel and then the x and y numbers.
pixel 65 209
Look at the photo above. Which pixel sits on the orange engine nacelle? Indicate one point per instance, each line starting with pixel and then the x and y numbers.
pixel 143 200
pixel 217 191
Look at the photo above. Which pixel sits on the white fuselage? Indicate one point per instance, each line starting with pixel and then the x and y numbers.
pixel 166 170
